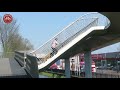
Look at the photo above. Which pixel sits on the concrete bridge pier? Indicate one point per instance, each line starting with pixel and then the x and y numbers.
pixel 88 62
pixel 67 68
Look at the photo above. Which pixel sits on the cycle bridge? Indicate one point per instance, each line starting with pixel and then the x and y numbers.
pixel 90 32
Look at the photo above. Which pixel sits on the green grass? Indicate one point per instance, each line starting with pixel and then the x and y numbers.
pixel 50 75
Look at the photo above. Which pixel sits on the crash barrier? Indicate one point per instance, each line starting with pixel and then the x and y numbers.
pixel 28 62
pixel 20 58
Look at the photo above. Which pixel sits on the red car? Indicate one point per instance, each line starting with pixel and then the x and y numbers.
pixel 54 66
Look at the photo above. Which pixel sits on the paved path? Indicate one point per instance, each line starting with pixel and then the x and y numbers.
pixel 10 68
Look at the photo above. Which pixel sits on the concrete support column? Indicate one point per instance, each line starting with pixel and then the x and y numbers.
pixel 67 68
pixel 88 62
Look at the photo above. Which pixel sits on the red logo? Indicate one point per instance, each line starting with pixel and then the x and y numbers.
pixel 7 18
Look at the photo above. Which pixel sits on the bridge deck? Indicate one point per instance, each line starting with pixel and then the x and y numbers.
pixel 11 68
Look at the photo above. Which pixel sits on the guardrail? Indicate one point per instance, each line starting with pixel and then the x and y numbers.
pixel 32 66
pixel 30 63
pixel 20 57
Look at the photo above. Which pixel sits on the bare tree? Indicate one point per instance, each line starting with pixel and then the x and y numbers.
pixel 10 38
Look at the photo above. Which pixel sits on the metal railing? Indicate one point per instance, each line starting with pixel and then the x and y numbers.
pixel 30 63
pixel 32 66
pixel 70 32
pixel 20 57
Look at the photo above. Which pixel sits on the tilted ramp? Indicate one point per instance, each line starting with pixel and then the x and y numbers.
pixel 70 37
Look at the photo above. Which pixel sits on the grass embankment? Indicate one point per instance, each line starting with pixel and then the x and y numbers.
pixel 51 75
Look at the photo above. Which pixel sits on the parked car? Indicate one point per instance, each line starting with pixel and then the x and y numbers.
pixel 54 66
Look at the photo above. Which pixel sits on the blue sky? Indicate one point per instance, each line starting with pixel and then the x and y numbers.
pixel 39 27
